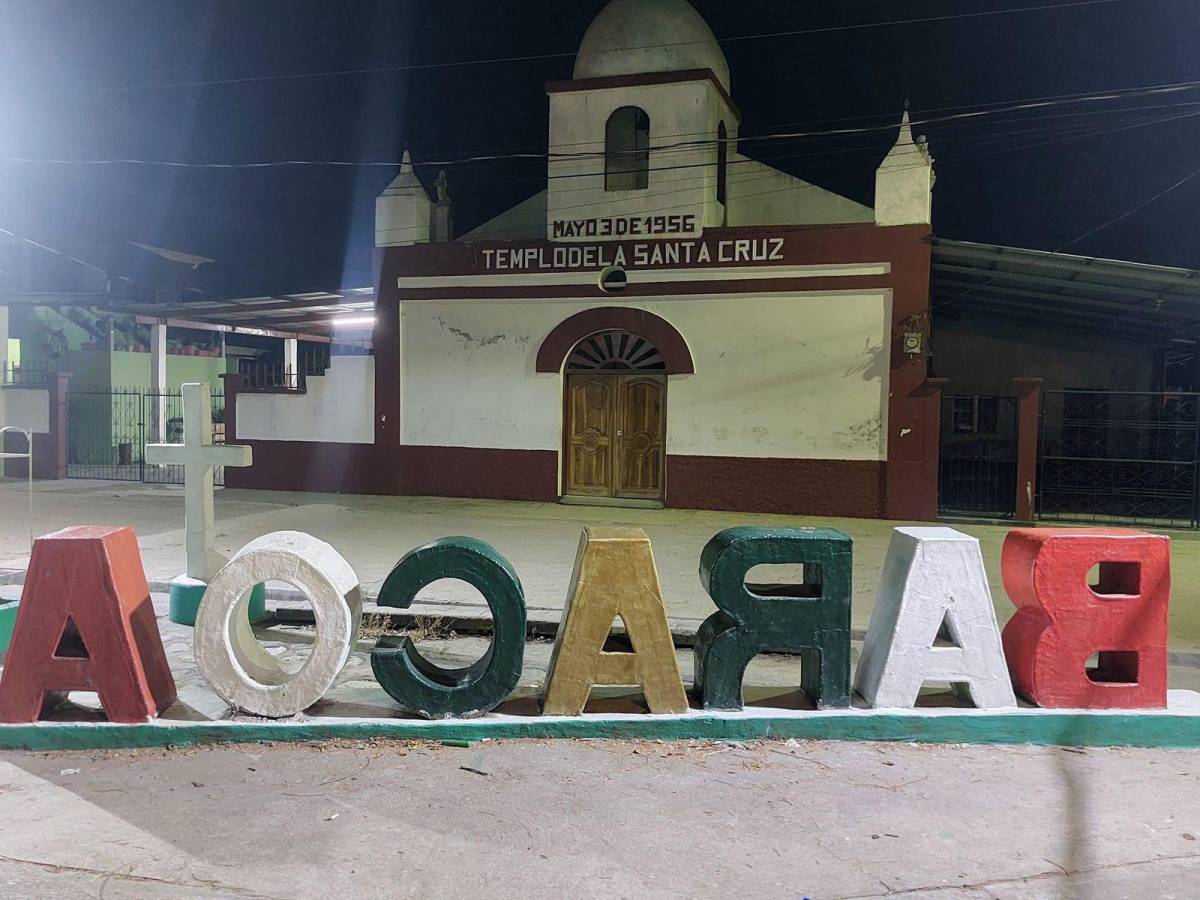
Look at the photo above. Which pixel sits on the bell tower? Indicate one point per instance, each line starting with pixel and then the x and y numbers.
pixel 634 148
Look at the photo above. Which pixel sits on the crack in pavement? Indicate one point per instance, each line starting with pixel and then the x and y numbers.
pixel 205 884
pixel 1060 872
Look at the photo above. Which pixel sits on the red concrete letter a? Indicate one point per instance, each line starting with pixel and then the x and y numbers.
pixel 91 578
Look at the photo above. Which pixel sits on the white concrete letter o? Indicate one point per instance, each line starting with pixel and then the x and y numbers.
pixel 230 657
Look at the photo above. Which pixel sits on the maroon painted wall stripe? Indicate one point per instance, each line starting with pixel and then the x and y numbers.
pixel 662 334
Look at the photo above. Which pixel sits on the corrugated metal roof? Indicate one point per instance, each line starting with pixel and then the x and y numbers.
pixel 312 313
pixel 1061 288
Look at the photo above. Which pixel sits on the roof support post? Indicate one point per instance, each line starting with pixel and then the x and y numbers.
pixel 1029 409
pixel 158 381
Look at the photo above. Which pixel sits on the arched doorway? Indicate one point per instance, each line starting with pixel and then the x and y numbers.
pixel 615 423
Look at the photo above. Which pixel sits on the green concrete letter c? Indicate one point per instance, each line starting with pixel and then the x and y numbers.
pixel 429 690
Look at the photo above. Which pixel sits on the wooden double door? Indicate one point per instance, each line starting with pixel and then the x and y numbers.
pixel 616 436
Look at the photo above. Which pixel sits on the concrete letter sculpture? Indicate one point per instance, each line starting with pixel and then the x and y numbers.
pixel 614 576
pixel 1061 620
pixel 230 657
pixel 436 693
pixel 931 576
pixel 812 619
pixel 86 623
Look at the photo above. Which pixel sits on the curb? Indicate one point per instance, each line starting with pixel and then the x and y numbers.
pixel 1036 727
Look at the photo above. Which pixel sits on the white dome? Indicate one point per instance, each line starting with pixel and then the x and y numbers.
pixel 636 37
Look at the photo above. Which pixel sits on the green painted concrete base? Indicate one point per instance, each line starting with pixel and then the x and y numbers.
pixel 186 594
pixel 1177 726
pixel 8 618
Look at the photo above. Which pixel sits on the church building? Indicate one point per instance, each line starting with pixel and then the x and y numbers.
pixel 668 323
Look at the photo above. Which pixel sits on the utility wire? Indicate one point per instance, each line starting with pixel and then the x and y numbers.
pixel 993 140
pixel 951 160
pixel 842 163
pixel 1082 97
pixel 826 29
pixel 975 115
pixel 1075 240
pixel 1125 215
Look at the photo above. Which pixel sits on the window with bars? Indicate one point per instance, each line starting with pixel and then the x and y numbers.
pixel 975 415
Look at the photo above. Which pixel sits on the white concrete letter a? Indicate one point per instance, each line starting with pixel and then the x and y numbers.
pixel 931 576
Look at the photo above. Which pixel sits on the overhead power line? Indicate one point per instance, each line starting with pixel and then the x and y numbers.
pixel 890 117
pixel 1087 234
pixel 966 157
pixel 415 67
pixel 977 115
pixel 1125 215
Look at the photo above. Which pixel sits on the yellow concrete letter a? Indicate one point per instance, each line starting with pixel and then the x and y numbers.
pixel 614 576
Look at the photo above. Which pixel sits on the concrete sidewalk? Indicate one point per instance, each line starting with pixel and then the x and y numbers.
pixel 601 819
pixel 538 538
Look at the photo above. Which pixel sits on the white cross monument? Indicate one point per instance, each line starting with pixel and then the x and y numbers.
pixel 197 454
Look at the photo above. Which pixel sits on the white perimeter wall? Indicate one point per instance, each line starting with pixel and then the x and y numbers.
pixel 795 377
pixel 27 408
pixel 338 408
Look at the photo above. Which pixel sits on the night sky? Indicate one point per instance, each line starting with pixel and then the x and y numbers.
pixel 298 229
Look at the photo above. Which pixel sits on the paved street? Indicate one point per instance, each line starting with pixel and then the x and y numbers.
pixel 601 819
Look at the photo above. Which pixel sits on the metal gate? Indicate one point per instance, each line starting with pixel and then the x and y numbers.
pixel 977 469
pixel 104 434
pixel 1119 456
pixel 107 432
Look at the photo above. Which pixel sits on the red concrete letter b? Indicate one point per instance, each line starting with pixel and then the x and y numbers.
pixel 1062 621
pixel 86 623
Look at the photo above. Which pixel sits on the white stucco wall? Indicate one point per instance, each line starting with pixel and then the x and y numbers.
pixel 904 182
pixel 761 195
pixel 682 181
pixel 525 221
pixel 27 408
pixel 801 376
pixel 338 408
pixel 403 212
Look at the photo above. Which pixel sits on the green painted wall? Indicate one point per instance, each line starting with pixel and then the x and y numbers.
pixel 89 369
pixel 132 370
pixel 40 322
pixel 101 370
pixel 107 406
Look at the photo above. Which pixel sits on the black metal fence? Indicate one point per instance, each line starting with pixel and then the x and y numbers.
pixel 977 473
pixel 1119 457
pixel 270 374
pixel 24 374
pixel 107 432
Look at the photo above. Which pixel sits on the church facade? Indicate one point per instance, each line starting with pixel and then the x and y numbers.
pixel 668 323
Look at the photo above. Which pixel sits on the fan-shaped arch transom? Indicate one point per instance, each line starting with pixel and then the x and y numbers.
pixel 615 351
